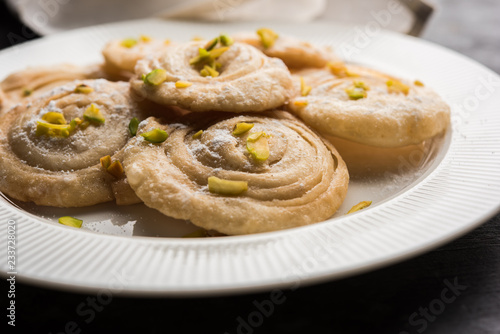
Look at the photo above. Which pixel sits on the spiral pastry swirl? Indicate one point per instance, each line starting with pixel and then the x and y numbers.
pixel 302 181
pixel 248 80
pixel 35 81
pixel 65 170
pixel 370 107
pixel 295 53
pixel 120 58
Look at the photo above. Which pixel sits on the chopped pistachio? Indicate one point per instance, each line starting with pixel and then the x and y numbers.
pixel 52 130
pixel 128 42
pixel 198 134
pixel 340 70
pixel 27 92
pixel 207 71
pixel 145 38
pixel 242 128
pixel 133 125
pixel 395 86
pixel 93 115
pixel 53 117
pixel 267 37
pixel 196 234
pixel 355 93
pixel 70 221
pixel 83 89
pixel 211 44
pixel 360 206
pixel 217 65
pixel 155 77
pixel 74 123
pixel 115 169
pixel 258 146
pixel 255 136
pixel 304 89
pixel 300 103
pixel 226 187
pixel 226 40
pixel 85 124
pixel 182 84
pixel 361 84
pixel 105 161
pixel 216 53
pixel 155 136
pixel 203 55
pixel 418 83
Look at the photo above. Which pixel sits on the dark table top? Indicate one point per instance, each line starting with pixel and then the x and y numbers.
pixel 453 289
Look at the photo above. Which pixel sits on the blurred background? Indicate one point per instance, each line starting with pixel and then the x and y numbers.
pixel 395 299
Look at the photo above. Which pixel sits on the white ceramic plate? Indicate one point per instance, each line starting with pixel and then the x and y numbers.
pixel 133 250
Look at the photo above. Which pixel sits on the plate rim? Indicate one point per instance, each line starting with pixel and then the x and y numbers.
pixel 255 286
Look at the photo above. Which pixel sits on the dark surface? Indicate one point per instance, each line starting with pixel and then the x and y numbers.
pixel 382 301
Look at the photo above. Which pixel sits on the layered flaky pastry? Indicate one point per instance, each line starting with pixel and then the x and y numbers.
pixel 35 81
pixel 237 174
pixel 241 79
pixel 295 53
pixel 368 107
pixel 51 148
pixel 121 55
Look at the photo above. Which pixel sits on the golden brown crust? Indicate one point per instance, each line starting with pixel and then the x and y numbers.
pixel 295 53
pixel 299 184
pixel 249 81
pixel 65 172
pixel 381 119
pixel 121 60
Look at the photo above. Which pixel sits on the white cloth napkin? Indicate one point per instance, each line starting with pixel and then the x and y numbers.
pixel 52 16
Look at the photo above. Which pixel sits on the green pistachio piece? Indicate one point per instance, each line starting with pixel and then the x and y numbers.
pixel 304 89
pixel 395 86
pixel 258 146
pixel 155 136
pixel 355 93
pixel 53 117
pixel 226 40
pixel 27 92
pixel 83 89
pixel 93 115
pixel 198 134
pixel 418 83
pixel 183 84
pixel 115 169
pixel 203 55
pixel 132 126
pixel 105 161
pixel 216 53
pixel 128 42
pixel 360 206
pixel 361 84
pixel 241 128
pixel 52 130
pixel 267 37
pixel 155 77
pixel 208 71
pixel 74 123
pixel 211 44
pixel 226 187
pixel 70 221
